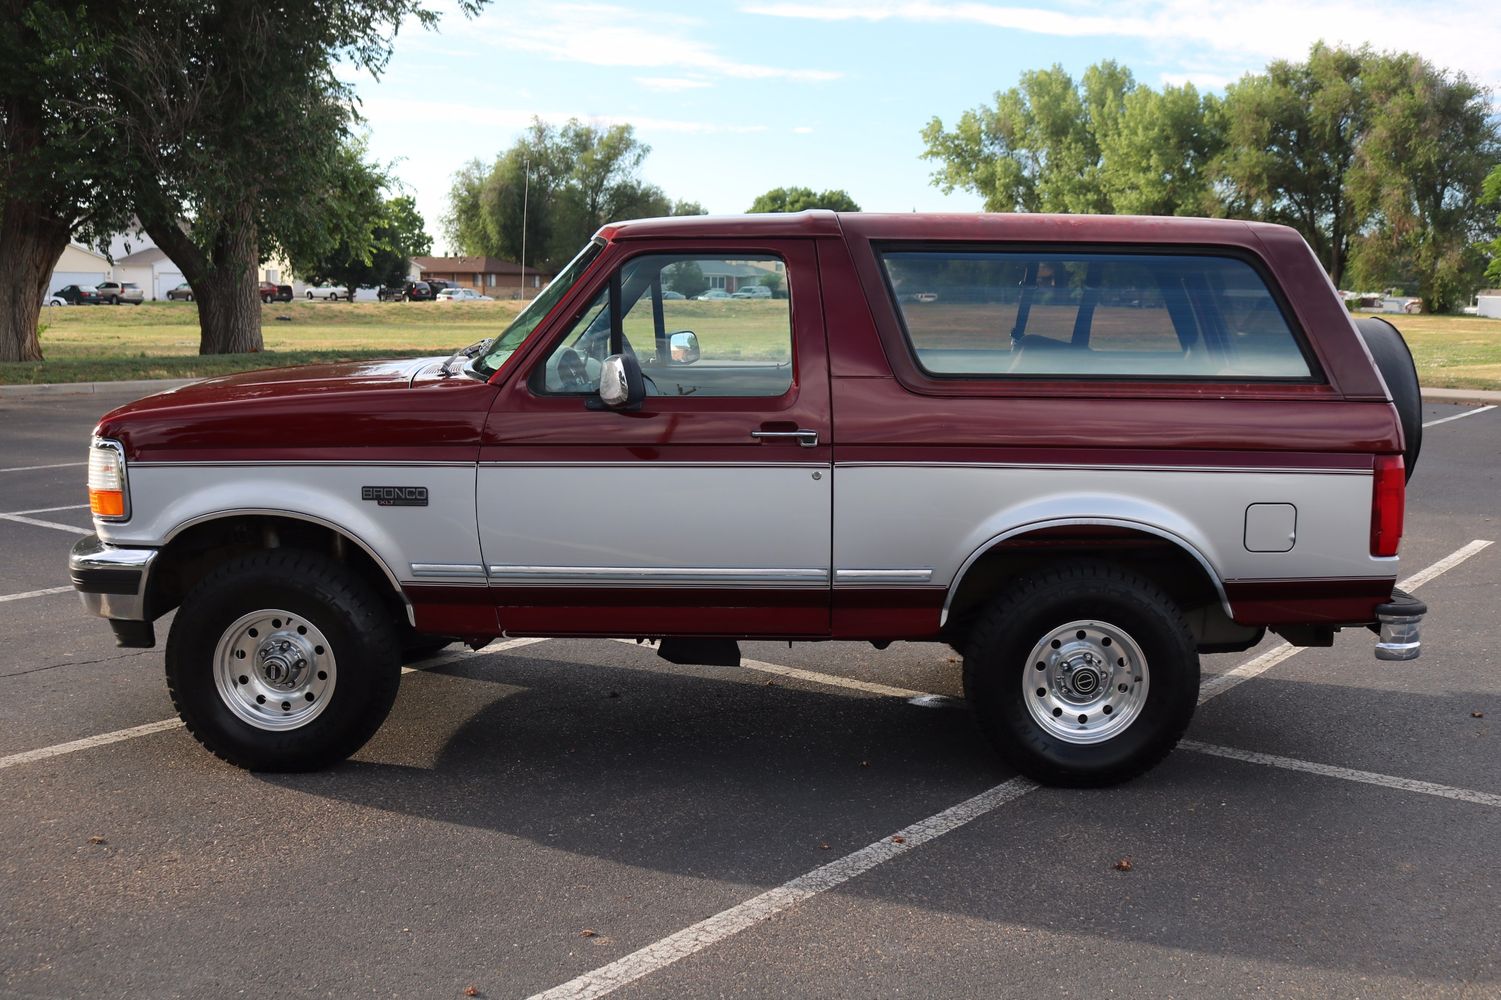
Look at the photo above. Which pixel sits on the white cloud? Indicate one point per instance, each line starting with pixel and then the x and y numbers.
pixel 1201 81
pixel 802 130
pixel 400 109
pixel 1459 35
pixel 672 84
pixel 607 35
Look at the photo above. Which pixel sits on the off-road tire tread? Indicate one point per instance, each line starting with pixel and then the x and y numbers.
pixel 332 583
pixel 989 630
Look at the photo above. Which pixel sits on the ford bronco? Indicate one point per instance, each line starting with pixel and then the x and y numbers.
pixel 1082 451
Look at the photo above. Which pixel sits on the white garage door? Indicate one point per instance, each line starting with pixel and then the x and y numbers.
pixel 83 279
pixel 166 281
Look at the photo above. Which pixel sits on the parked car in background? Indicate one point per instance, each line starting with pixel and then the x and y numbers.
pixel 391 293
pixel 77 295
pixel 412 291
pixel 673 295
pixel 331 293
pixel 183 292
pixel 437 285
pixel 271 292
pixel 752 292
pixel 462 295
pixel 712 294
pixel 112 293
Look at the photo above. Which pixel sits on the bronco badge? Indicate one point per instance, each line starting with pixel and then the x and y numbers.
pixel 395 496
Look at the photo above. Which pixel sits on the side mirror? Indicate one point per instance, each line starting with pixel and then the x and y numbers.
pixel 683 347
pixel 621 386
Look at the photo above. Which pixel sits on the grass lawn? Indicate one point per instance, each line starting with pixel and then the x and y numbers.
pixel 160 339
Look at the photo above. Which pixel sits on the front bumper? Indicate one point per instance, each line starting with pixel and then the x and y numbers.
pixel 1400 619
pixel 112 582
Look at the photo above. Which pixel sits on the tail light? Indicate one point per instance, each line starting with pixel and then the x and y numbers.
pixel 1388 499
pixel 108 496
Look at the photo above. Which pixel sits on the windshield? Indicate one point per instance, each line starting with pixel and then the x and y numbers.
pixel 526 321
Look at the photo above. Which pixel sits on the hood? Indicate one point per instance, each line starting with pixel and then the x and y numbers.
pixel 310 413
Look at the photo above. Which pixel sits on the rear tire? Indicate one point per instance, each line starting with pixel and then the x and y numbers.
pixel 1083 675
pixel 282 661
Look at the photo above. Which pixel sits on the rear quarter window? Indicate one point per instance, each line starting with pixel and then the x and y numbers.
pixel 1091 315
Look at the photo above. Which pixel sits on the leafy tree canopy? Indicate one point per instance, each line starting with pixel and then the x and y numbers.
pixel 800 199
pixel 563 183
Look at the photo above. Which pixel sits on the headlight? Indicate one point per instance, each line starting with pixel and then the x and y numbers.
pixel 109 495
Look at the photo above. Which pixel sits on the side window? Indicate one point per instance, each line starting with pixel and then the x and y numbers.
pixel 699 326
pixel 1100 315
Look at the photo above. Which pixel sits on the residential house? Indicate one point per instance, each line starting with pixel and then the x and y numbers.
pixel 732 275
pixel 152 270
pixel 501 279
pixel 81 266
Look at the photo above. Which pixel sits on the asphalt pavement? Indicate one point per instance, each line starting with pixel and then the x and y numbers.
pixel 581 818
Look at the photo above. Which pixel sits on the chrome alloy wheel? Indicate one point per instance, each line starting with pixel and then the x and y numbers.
pixel 1085 682
pixel 274 670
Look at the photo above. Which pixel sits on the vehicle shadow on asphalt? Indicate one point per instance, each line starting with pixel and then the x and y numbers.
pixel 707 773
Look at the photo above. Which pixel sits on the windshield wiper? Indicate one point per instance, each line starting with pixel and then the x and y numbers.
pixel 478 347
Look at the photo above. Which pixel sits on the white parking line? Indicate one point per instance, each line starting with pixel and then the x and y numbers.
pixel 89 742
pixel 19 519
pixel 443 661
pixel 1444 565
pixel 1459 416
pixel 727 923
pixel 48 510
pixel 33 593
pixel 33 468
pixel 1347 773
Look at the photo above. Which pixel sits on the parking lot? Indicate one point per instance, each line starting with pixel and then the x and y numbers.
pixel 571 818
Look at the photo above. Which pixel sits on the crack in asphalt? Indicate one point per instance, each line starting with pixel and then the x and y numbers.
pixel 77 663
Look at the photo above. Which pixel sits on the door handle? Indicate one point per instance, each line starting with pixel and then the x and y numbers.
pixel 806 438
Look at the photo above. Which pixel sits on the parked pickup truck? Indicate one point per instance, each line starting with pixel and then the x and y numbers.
pixel 1080 450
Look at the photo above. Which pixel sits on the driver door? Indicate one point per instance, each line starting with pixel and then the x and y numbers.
pixel 707 511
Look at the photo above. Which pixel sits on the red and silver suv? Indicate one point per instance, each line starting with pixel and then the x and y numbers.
pixel 1080 450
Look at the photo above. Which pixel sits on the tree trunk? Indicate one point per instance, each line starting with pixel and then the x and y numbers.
pixel 30 243
pixel 223 279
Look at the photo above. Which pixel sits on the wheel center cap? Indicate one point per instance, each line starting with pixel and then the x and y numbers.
pixel 1085 680
pixel 281 663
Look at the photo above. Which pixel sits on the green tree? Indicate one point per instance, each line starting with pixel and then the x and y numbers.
pixel 800 199
pixel 1036 148
pixel 378 251
pixel 1292 135
pixel 235 134
pixel 1155 157
pixel 59 172
pixel 1421 177
pixel 772 281
pixel 565 181
pixel 1491 196
pixel 687 279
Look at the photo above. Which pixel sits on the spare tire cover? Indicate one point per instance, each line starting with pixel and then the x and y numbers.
pixel 1395 362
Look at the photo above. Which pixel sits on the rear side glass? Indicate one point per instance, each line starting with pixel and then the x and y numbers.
pixel 984 314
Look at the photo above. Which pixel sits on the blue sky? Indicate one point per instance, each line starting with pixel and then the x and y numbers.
pixel 735 98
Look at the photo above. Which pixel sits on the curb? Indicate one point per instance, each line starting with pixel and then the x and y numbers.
pixel 143 386
pixel 1461 396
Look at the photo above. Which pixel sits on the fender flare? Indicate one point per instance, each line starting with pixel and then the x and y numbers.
pixel 1112 522
pixel 340 530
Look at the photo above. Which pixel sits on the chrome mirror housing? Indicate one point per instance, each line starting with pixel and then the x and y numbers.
pixel 621 386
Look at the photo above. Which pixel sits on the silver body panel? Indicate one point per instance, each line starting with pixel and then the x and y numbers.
pixel 650 524
pixel 759 525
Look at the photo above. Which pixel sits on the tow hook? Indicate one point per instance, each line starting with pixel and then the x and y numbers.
pixel 1399 619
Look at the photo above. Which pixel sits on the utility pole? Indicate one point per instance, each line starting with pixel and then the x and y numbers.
pixel 526 190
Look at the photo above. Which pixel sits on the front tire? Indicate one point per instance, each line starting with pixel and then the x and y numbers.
pixel 1083 675
pixel 282 661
